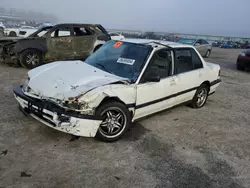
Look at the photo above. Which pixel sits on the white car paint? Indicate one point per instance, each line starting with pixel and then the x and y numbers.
pixel 25 31
pixel 2 25
pixel 116 36
pixel 83 78
pixel 28 29
pixel 68 81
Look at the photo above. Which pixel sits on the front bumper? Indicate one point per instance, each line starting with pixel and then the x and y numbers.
pixel 12 59
pixel 57 117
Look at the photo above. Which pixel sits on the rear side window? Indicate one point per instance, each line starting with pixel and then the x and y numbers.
pixel 186 60
pixel 81 31
pixel 197 64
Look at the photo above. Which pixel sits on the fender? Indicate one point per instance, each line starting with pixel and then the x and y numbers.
pixel 34 43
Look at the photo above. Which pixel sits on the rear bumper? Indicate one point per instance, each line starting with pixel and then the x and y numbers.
pixel 56 117
pixel 214 85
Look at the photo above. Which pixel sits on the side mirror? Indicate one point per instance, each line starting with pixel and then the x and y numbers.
pixel 197 44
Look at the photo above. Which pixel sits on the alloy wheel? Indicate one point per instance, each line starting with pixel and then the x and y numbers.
pixel 201 97
pixel 32 59
pixel 114 122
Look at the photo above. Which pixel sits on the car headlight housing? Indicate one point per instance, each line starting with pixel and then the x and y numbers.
pixel 26 84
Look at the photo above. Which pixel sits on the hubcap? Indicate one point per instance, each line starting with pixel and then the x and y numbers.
pixel 201 97
pixel 32 59
pixel 114 122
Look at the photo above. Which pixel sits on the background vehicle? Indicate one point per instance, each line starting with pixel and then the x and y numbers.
pixel 116 36
pixel 14 31
pixel 243 60
pixel 217 44
pixel 117 85
pixel 25 31
pixel 227 45
pixel 203 47
pixel 60 42
pixel 2 25
pixel 2 29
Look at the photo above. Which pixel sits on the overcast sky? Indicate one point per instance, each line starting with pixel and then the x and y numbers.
pixel 216 17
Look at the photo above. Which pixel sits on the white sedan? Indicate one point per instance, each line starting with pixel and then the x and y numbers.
pixel 115 86
pixel 116 36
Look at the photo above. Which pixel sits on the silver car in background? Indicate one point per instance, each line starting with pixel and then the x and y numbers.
pixel 203 47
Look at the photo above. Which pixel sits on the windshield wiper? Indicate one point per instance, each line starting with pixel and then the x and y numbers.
pixel 104 68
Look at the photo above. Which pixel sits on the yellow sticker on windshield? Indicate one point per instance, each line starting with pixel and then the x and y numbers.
pixel 117 44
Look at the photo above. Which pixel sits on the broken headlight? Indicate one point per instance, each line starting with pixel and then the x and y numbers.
pixel 81 107
pixel 26 85
pixel 76 105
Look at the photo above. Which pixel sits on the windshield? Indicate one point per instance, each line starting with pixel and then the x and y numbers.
pixel 122 59
pixel 186 41
pixel 40 32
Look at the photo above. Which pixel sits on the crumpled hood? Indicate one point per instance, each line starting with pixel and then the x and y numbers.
pixel 64 79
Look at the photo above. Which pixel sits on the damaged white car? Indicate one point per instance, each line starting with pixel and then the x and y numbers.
pixel 118 84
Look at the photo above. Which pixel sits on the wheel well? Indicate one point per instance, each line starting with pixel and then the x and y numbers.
pixel 32 49
pixel 207 83
pixel 97 47
pixel 12 32
pixel 114 99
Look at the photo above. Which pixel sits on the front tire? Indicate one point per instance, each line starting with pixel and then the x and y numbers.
pixel 117 120
pixel 200 97
pixel 31 58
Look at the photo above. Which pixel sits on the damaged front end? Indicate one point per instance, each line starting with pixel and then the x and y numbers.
pixel 8 55
pixel 66 116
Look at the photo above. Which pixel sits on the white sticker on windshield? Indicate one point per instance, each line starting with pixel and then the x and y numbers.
pixel 126 61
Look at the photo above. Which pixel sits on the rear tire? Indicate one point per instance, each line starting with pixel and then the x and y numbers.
pixel 31 58
pixel 117 120
pixel 200 97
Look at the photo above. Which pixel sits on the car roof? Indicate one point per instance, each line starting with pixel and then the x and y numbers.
pixel 157 42
pixel 76 24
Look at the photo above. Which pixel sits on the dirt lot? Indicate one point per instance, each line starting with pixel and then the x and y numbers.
pixel 181 148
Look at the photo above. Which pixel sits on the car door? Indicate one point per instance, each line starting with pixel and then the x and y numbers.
pixel 189 69
pixel 83 41
pixel 205 47
pixel 155 95
pixel 59 44
pixel 199 46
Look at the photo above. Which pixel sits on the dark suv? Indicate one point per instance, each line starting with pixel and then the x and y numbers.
pixel 54 43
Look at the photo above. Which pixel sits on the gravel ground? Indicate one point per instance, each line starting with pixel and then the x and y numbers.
pixel 180 148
